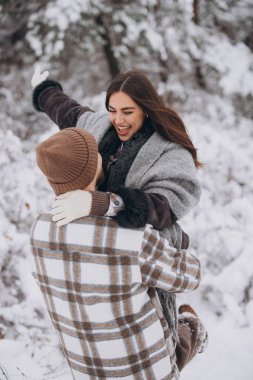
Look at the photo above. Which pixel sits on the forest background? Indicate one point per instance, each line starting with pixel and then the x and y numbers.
pixel 198 54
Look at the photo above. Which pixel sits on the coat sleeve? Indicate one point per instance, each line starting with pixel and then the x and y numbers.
pixel 165 267
pixel 141 208
pixel 174 176
pixel 64 111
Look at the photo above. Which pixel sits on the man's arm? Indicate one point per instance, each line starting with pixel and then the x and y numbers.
pixel 164 267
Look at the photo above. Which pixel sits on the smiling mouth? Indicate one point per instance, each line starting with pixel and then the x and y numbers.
pixel 122 131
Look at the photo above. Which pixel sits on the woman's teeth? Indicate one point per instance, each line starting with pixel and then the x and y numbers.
pixel 123 130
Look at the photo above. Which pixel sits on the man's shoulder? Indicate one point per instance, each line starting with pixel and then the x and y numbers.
pixel 86 232
pixel 43 217
pixel 41 223
pixel 44 221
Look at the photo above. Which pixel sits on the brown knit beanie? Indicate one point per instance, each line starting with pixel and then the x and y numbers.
pixel 68 159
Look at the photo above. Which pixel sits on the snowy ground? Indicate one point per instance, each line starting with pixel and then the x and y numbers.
pixel 229 355
pixel 229 352
pixel 17 363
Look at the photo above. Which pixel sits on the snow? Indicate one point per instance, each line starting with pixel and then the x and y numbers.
pixel 220 227
pixel 234 62
pixel 229 351
pixel 16 362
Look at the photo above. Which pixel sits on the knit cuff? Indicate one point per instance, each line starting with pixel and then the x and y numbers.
pixel 37 92
pixel 100 203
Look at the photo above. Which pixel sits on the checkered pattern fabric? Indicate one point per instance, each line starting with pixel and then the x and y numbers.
pixel 98 283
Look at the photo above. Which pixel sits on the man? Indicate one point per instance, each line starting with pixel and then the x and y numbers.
pixel 98 279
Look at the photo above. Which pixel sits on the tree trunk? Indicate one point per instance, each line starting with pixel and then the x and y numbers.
pixel 196 15
pixel 103 31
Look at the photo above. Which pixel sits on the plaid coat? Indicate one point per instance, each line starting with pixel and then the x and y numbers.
pixel 97 280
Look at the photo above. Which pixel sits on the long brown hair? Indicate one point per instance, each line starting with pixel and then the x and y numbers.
pixel 163 118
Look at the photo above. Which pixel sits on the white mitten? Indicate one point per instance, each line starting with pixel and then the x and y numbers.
pixel 71 206
pixel 38 77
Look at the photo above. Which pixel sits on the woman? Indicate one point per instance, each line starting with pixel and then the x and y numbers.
pixel 149 160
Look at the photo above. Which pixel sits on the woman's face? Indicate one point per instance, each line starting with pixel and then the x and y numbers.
pixel 126 116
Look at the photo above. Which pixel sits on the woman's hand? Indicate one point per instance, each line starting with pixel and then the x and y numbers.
pixel 71 206
pixel 38 77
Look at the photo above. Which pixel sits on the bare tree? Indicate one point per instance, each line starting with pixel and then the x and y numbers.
pixel 104 33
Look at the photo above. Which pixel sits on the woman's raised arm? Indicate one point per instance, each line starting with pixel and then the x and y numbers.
pixel 48 97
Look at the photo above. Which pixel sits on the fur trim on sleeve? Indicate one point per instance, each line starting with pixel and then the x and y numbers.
pixel 40 89
pixel 136 208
